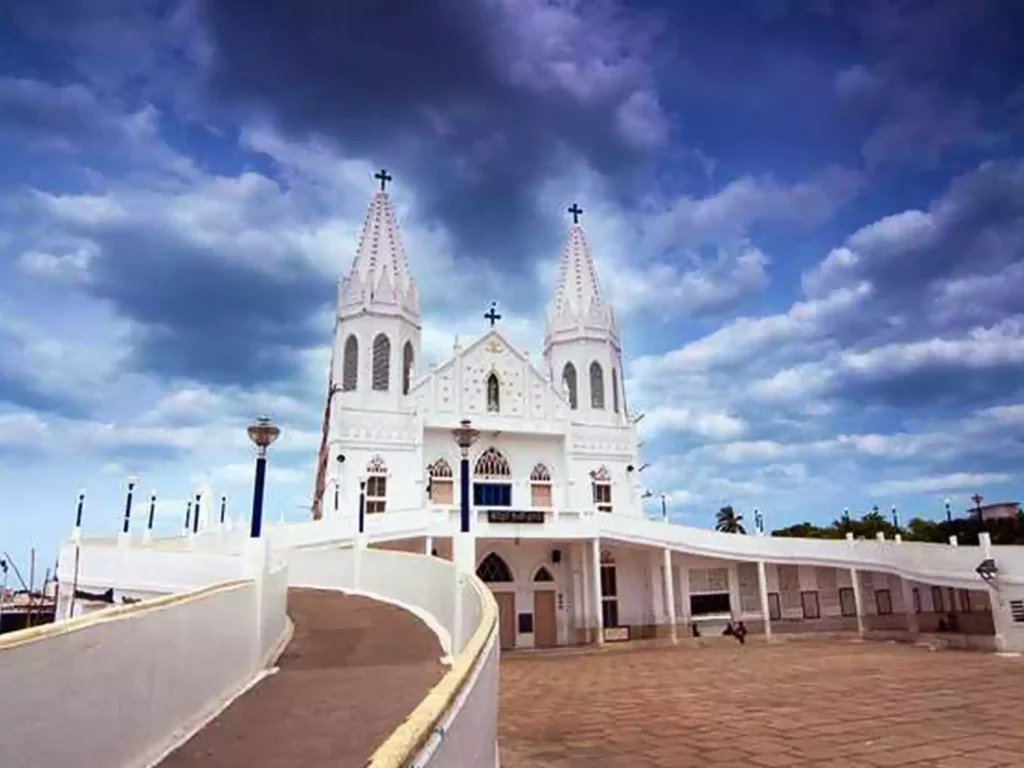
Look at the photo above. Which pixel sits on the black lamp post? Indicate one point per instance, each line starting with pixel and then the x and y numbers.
pixel 195 517
pixel 758 520
pixel 263 433
pixel 128 504
pixel 846 517
pixel 362 505
pixel 78 511
pixel 188 516
pixel 152 511
pixel 223 508
pixel 949 512
pixel 465 435
pixel 895 518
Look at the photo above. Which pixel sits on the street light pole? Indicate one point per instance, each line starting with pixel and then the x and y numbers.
pixel 465 435
pixel 949 512
pixel 263 433
pixel 223 508
pixel 76 534
pixel 362 505
pixel 664 509
pixel 128 505
pixel 195 520
pixel 152 514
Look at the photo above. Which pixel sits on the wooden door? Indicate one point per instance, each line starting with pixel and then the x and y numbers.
pixel 506 619
pixel 545 633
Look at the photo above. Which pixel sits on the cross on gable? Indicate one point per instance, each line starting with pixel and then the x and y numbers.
pixel 492 314
pixel 384 177
pixel 575 210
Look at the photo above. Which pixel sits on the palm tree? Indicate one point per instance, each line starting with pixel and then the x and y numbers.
pixel 728 521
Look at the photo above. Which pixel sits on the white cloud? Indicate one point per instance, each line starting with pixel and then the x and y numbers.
pixel 715 426
pixel 936 483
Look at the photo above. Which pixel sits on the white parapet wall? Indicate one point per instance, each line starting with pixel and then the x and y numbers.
pixel 121 686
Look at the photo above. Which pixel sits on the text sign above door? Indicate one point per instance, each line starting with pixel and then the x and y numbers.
pixel 514 516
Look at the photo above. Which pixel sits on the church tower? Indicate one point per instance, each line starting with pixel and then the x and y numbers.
pixel 581 342
pixel 374 358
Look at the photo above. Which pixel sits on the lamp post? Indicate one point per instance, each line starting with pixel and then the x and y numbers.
pixel 223 508
pixel 77 532
pixel 362 504
pixel 195 518
pixel 152 514
pixel 465 435
pixel 949 512
pixel 846 518
pixel 263 433
pixel 895 518
pixel 3 591
pixel 758 520
pixel 188 518
pixel 337 484
pixel 128 505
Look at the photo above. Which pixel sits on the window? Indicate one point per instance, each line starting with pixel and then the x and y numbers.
pixel 381 363
pixel 492 464
pixel 569 383
pixel 883 601
pixel 774 607
pixel 540 487
pixel 809 603
pixel 442 484
pixel 1017 611
pixel 493 393
pixel 350 364
pixel 492 486
pixel 596 386
pixel 937 601
pixel 543 574
pixel 609 591
pixel 701 605
pixel 615 390
pixel 847 601
pixel 376 485
pixel 494 570
pixel 407 365
pixel 965 601
pixel 492 495
pixel 602 489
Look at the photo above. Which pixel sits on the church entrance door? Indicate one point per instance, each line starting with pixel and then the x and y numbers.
pixel 506 619
pixel 545 632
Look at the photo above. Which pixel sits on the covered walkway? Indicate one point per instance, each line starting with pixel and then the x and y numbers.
pixel 353 671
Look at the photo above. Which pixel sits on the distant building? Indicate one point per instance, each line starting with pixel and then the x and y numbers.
pixel 1002 510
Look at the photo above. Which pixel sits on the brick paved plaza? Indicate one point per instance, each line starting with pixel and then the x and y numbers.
pixel 803 703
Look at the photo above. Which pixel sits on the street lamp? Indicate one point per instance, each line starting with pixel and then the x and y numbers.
pixel 758 520
pixel 128 504
pixel 152 513
pixel 263 433
pixel 78 512
pixel 362 504
pixel 895 518
pixel 949 512
pixel 223 508
pixel 195 520
pixel 465 435
pixel 188 518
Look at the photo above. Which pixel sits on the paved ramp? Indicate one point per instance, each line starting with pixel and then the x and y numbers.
pixel 352 673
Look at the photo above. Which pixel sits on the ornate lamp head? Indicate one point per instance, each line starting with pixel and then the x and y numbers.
pixel 263 432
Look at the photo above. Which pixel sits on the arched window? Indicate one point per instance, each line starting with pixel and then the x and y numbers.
pixel 442 482
pixel 543 574
pixel 609 591
pixel 494 570
pixel 615 390
pixel 540 487
pixel 493 393
pixel 376 485
pixel 569 380
pixel 381 363
pixel 407 364
pixel 350 364
pixel 602 485
pixel 596 386
pixel 492 481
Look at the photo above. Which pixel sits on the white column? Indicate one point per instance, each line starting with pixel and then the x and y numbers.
pixel 762 586
pixel 595 553
pixel 669 591
pixel 656 586
pixel 908 606
pixel 428 546
pixel 855 582
pixel 585 595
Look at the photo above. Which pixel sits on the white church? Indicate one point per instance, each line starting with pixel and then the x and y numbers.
pixel 556 525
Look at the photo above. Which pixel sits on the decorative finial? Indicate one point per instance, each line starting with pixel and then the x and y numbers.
pixel 575 210
pixel 384 177
pixel 492 314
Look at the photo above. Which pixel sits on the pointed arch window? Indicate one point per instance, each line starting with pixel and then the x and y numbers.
pixel 381 363
pixel 493 393
pixel 540 487
pixel 543 574
pixel 615 390
pixel 408 360
pixel 602 485
pixel 494 570
pixel 569 382
pixel 596 386
pixel 492 482
pixel 376 485
pixel 442 482
pixel 350 364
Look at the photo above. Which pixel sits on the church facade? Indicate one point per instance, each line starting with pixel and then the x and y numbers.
pixel 556 499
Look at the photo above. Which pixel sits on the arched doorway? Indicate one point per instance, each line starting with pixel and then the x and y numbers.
pixel 494 571
pixel 609 591
pixel 545 630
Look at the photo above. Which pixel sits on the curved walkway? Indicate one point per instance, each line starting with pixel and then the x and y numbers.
pixel 354 670
pixel 800 704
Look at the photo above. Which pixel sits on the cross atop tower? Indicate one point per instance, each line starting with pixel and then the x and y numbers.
pixel 384 177
pixel 575 210
pixel 492 314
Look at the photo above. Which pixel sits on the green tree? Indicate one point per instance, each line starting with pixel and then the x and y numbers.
pixel 728 521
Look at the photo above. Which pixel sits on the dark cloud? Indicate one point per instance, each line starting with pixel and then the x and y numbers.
pixel 465 101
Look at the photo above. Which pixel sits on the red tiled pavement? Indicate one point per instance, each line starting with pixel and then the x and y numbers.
pixel 354 670
pixel 801 703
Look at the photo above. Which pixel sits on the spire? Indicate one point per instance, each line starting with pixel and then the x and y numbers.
pixel 578 303
pixel 380 274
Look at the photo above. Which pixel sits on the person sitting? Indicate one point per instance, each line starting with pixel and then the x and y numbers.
pixel 695 630
pixel 740 632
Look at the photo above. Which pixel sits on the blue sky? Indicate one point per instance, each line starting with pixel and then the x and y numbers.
pixel 809 215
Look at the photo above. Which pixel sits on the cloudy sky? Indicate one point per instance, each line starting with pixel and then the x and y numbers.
pixel 809 215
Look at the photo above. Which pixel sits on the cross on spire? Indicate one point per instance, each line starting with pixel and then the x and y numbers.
pixel 575 210
pixel 492 314
pixel 384 177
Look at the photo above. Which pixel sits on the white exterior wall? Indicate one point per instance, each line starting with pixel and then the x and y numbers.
pixel 581 353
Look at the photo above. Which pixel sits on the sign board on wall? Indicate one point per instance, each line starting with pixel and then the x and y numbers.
pixel 514 516
pixel 616 634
